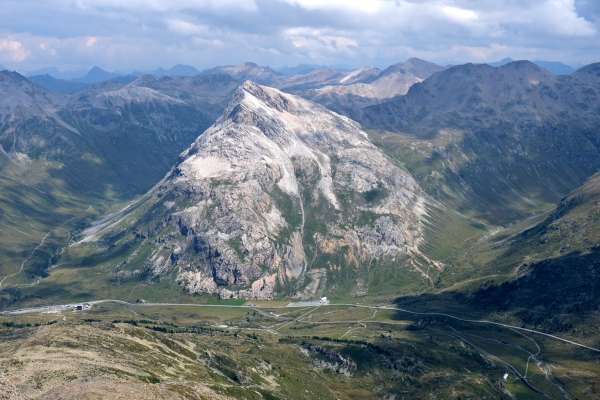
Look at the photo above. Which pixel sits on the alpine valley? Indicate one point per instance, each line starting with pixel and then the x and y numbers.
pixel 416 231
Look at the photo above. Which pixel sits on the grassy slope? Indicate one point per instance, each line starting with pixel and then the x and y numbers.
pixel 182 350
pixel 38 211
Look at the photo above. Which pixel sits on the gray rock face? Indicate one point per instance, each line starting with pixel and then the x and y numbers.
pixel 274 182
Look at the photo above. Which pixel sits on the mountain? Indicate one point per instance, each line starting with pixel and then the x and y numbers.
pixel 553 266
pixel 24 109
pixel 21 96
pixel 246 71
pixel 182 70
pixel 279 196
pixel 96 75
pixel 366 86
pixel 414 66
pixel 393 81
pixel 105 123
pixel 315 78
pixel 67 158
pixel 364 74
pixel 139 128
pixel 503 141
pixel 472 202
pixel 556 67
pixel 57 73
pixel 571 227
pixel 57 85
pixel 134 130
pixel 299 69
pixel 589 74
pixel 499 63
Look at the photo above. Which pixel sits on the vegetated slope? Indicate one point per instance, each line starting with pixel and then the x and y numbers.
pixel 498 141
pixel 556 267
pixel 280 195
pixel 112 135
pixel 65 158
pixel 547 275
pixel 100 355
pixel 573 226
pixel 138 130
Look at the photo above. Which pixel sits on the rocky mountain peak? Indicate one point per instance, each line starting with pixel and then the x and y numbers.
pixel 527 69
pixel 254 97
pixel 413 66
pixel 97 74
pixel 263 200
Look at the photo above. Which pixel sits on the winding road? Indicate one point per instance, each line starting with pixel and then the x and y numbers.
pixel 62 307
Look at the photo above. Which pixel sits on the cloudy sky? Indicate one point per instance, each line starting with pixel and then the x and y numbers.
pixel 144 34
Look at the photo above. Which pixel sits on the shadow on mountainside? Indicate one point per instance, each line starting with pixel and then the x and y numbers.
pixel 555 294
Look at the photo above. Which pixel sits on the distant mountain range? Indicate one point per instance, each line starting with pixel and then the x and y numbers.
pixel 326 82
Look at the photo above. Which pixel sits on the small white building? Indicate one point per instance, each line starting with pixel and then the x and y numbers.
pixel 323 301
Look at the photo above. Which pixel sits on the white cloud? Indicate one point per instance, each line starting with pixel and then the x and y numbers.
pixel 320 44
pixel 364 6
pixel 459 15
pixel 164 5
pixel 12 50
pixel 209 32
pixel 561 16
pixel 183 27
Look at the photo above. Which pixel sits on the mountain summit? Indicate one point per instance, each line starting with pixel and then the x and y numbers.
pixel 275 198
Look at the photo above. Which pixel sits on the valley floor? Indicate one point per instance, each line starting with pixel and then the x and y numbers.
pixel 121 350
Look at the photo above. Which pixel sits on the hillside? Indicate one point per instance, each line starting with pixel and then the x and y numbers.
pixel 500 143
pixel 66 158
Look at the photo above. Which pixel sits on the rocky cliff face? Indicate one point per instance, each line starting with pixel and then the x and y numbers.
pixel 268 196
